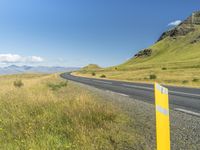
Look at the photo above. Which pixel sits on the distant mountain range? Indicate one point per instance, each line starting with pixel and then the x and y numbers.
pixel 13 69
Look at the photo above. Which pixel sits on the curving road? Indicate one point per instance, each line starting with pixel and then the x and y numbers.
pixel 182 99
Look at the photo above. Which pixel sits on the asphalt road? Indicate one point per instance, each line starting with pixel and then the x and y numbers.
pixel 186 100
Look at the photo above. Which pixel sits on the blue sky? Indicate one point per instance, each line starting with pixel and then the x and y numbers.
pixel 79 32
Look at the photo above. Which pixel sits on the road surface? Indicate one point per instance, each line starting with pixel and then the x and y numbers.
pixel 186 100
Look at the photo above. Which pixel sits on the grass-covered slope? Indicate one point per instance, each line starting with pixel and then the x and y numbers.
pixel 180 49
pixel 91 67
pixel 173 59
pixel 46 112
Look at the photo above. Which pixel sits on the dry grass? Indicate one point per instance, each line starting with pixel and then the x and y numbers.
pixel 170 76
pixel 37 117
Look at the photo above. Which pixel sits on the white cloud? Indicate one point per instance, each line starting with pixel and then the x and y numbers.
pixel 15 58
pixel 35 59
pixel 175 23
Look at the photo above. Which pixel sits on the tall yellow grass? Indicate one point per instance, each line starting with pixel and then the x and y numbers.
pixel 70 117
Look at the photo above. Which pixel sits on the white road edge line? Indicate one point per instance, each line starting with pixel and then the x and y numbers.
pixel 198 95
pixel 147 88
pixel 123 94
pixel 117 93
pixel 102 82
pixel 135 86
pixel 187 111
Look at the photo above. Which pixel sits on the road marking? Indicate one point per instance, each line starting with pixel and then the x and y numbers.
pixel 123 94
pixel 109 91
pixel 102 81
pixel 139 87
pixel 148 88
pixel 198 95
pixel 187 111
pixel 117 93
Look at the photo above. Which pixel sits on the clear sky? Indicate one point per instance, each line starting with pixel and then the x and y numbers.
pixel 79 32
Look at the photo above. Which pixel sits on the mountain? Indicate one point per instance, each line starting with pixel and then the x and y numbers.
pixel 178 45
pixel 173 59
pixel 13 69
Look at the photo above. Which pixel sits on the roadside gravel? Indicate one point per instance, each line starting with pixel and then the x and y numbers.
pixel 185 129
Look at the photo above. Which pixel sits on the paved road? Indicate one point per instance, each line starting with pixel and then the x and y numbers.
pixel 182 99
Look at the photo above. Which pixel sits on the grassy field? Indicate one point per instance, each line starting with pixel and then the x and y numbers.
pixel 170 75
pixel 174 61
pixel 47 112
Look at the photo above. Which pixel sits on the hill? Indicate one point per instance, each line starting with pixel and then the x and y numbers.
pixel 91 67
pixel 173 59
pixel 178 45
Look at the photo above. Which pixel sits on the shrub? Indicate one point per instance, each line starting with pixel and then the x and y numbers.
pixel 18 83
pixel 64 83
pixel 56 86
pixel 93 74
pixel 185 81
pixel 152 76
pixel 164 68
pixel 195 80
pixel 103 76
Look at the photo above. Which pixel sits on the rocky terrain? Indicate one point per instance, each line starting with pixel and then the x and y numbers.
pixel 144 53
pixel 184 28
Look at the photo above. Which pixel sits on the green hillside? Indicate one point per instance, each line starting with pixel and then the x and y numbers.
pixel 173 59
pixel 91 67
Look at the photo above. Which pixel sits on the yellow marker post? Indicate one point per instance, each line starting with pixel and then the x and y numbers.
pixel 162 118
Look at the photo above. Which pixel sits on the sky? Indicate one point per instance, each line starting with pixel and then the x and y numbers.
pixel 80 32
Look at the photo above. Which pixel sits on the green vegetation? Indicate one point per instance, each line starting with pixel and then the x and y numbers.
pixel 57 86
pixel 175 58
pixel 164 68
pixel 185 81
pixel 18 83
pixel 91 67
pixel 152 77
pixel 93 74
pixel 195 80
pixel 36 116
pixel 103 76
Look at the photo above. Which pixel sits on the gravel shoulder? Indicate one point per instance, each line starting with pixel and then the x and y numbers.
pixel 185 128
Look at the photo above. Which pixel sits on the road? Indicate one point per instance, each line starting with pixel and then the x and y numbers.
pixel 186 100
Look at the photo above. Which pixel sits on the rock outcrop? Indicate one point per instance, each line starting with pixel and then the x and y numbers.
pixel 196 40
pixel 144 53
pixel 184 28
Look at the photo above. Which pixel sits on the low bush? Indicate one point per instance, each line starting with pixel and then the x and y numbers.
pixel 185 81
pixel 103 76
pixel 195 80
pixel 57 86
pixel 93 74
pixel 164 68
pixel 18 83
pixel 152 76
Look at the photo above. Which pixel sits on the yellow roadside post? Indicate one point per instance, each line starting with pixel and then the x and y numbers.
pixel 162 118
